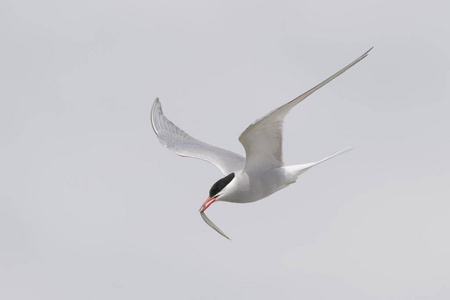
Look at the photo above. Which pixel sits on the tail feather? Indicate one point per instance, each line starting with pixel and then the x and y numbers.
pixel 346 149
pixel 297 170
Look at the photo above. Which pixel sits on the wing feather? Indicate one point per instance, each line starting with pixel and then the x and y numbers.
pixel 175 139
pixel 263 139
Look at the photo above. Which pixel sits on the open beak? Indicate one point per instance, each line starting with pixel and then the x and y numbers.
pixel 207 203
pixel 202 209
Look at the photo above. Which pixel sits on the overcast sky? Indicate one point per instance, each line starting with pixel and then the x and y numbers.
pixel 93 207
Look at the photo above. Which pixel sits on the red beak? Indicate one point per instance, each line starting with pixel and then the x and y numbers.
pixel 207 203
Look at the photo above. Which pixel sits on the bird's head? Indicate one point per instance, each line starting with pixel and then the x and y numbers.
pixel 216 191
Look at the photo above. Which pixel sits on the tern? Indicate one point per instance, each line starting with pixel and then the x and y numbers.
pixel 262 172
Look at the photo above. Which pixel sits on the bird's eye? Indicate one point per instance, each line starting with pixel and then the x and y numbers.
pixel 220 184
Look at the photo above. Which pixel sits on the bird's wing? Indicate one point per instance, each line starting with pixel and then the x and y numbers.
pixel 263 139
pixel 175 139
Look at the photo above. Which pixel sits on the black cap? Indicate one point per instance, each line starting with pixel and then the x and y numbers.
pixel 220 184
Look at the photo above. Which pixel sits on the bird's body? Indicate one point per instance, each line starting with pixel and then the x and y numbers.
pixel 253 186
pixel 261 173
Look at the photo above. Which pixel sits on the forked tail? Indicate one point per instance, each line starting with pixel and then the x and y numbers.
pixel 296 170
pixel 346 149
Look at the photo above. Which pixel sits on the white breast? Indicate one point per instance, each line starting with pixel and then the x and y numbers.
pixel 253 186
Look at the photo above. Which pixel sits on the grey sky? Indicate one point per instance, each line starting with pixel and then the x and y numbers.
pixel 93 207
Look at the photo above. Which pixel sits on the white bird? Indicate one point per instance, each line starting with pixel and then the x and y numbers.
pixel 262 172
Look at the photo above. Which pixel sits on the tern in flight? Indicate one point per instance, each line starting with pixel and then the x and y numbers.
pixel 261 172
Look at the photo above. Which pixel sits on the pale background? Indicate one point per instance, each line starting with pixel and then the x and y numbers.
pixel 93 207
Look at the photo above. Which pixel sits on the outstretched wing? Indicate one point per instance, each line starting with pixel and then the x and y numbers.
pixel 175 139
pixel 263 139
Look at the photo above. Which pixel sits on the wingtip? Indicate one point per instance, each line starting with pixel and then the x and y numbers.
pixel 156 104
pixel 367 52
